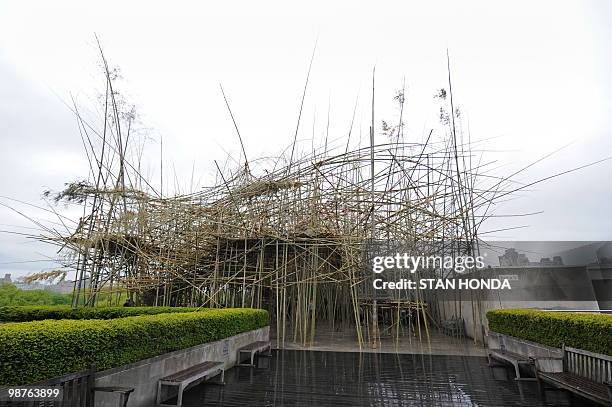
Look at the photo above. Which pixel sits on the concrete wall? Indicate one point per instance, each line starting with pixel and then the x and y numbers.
pixel 144 375
pixel 522 346
pixel 474 313
pixel 548 358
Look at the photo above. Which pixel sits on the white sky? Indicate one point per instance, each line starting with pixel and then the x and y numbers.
pixel 536 75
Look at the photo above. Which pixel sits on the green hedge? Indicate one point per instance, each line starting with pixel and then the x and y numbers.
pixel 39 312
pixel 591 332
pixel 34 351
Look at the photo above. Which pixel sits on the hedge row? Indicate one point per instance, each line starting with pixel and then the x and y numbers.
pixel 41 312
pixel 35 351
pixel 591 332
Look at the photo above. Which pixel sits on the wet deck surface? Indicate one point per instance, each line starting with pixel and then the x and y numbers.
pixel 434 343
pixel 316 378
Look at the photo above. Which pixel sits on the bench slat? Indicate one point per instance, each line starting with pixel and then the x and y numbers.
pixel 192 371
pixel 510 355
pixel 114 389
pixel 255 345
pixel 579 383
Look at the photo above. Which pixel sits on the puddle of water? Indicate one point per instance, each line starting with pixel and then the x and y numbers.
pixel 312 378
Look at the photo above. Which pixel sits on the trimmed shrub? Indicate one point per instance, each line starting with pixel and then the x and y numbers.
pixel 39 312
pixel 35 351
pixel 591 332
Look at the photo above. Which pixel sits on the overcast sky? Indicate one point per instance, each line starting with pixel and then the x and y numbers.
pixel 533 75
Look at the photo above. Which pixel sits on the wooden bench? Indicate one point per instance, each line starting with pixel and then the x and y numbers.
pixel 185 377
pixel 514 359
pixel 79 389
pixel 252 349
pixel 584 373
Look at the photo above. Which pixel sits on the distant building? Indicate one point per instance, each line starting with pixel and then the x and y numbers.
pixel 513 258
pixel 63 287
pixel 6 279
pixel 29 286
pixel 604 254
pixel 556 261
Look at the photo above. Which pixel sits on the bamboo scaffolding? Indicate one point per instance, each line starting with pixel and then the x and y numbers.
pixel 296 239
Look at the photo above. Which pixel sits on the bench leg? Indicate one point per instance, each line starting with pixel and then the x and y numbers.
pixel 124 399
pixel 220 381
pixel 179 398
pixel 517 370
pixel 541 387
pixel 158 397
pixel 492 362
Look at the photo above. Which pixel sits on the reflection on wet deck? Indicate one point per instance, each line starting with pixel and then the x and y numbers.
pixel 315 378
pixel 433 343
